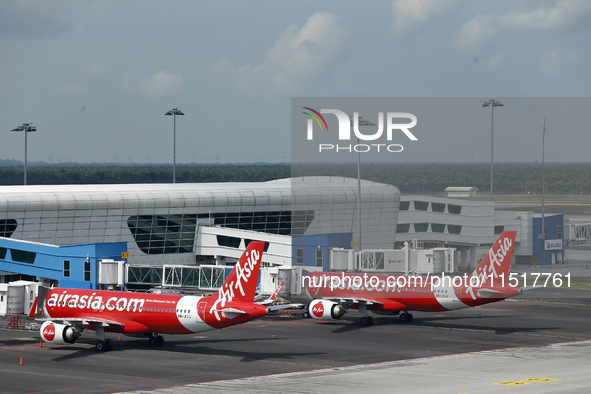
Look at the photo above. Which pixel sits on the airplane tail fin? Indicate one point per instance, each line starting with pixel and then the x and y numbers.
pixel 33 310
pixel 276 293
pixel 497 261
pixel 241 284
pixel 273 296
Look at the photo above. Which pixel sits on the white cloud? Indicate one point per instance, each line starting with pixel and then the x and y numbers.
pixel 67 85
pixel 558 15
pixel 297 57
pixel 476 33
pixel 495 61
pixel 162 84
pixel 411 14
pixel 553 61
pixel 94 70
pixel 562 15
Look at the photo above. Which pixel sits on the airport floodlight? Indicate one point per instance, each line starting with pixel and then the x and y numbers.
pixel 361 122
pixel 174 112
pixel 492 103
pixel 27 128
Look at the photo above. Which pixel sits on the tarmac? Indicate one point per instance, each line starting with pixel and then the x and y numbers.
pixel 518 345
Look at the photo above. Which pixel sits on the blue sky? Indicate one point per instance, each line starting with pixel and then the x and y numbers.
pixel 96 77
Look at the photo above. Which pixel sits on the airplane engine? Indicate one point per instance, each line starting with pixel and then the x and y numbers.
pixel 326 310
pixel 58 333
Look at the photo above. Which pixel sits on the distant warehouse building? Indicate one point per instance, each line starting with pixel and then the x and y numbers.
pixel 454 191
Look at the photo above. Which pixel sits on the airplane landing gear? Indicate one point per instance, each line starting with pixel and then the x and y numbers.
pixel 104 346
pixel 156 340
pixel 365 320
pixel 405 317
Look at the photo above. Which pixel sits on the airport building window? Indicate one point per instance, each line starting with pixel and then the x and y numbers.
pixel 404 205
pixel 402 228
pixel 379 260
pixel 3 253
pixel 437 227
pixel 231 242
pixel 318 257
pixel 499 229
pixel 559 232
pixel 273 222
pixel 437 207
pixel 87 271
pixel 66 268
pixel 23 256
pixel 299 256
pixel 453 229
pixel 421 227
pixel 7 227
pixel 455 209
pixel 421 205
pixel 159 234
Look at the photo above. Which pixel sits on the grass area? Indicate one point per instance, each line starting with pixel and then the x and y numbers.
pixel 580 282
pixel 528 198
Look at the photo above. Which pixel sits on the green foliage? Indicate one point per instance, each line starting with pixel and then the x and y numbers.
pixel 432 178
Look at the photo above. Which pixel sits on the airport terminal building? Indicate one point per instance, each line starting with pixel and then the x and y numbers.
pixel 185 234
pixel 300 219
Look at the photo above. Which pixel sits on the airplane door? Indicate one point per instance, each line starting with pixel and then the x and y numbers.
pixel 201 309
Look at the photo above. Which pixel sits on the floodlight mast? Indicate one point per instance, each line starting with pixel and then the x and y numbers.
pixel 492 103
pixel 174 112
pixel 27 128
pixel 362 122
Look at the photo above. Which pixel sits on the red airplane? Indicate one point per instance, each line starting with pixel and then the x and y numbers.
pixel 334 293
pixel 71 311
pixel 273 296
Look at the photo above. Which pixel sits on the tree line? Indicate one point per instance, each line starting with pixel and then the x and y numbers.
pixel 421 178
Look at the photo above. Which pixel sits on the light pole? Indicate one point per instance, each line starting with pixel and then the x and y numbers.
pixel 27 128
pixel 362 122
pixel 492 103
pixel 543 232
pixel 174 112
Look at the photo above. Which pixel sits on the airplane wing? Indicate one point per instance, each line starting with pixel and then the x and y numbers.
pixel 85 320
pixel 230 313
pixel 487 293
pixel 501 293
pixel 285 306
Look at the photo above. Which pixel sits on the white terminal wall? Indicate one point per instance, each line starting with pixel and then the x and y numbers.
pixel 79 214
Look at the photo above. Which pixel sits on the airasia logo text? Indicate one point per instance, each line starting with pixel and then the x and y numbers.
pixel 94 302
pixel 318 310
pixel 49 332
pixel 243 274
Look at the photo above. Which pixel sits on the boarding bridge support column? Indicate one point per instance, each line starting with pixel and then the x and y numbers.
pixel 463 257
pixel 473 260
